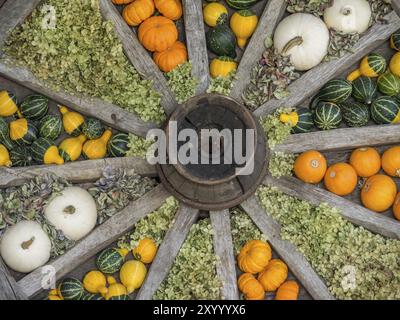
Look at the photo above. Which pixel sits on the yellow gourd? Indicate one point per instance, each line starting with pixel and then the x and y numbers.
pixel 71 148
pixel 222 66
pixel 95 282
pixel 97 148
pixel 394 64
pixel 214 13
pixel 132 275
pixel 53 298
pixel 4 157
pixel 145 251
pixel 291 118
pixel 371 66
pixel 243 25
pixel 7 104
pixel 72 121
pixel 115 289
pixel 52 156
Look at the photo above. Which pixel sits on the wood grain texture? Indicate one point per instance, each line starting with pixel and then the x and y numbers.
pixel 341 139
pixel 168 251
pixel 9 289
pixel 310 82
pixel 354 213
pixel 12 14
pixel 75 172
pixel 396 6
pixel 104 235
pixel 223 247
pixel 138 56
pixel 296 262
pixel 196 43
pixel 271 16
pixel 110 114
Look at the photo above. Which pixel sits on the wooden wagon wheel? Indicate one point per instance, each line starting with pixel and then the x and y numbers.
pixel 14 12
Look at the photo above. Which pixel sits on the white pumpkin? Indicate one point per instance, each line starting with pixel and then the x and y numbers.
pixel 348 16
pixel 25 246
pixel 304 37
pixel 73 212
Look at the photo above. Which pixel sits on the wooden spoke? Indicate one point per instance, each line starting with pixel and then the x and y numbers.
pixel 168 251
pixel 104 235
pixel 271 16
pixel 309 83
pixel 296 262
pixel 138 56
pixel 226 270
pixel 196 43
pixel 354 213
pixel 9 289
pixel 341 139
pixel 75 172
pixel 396 6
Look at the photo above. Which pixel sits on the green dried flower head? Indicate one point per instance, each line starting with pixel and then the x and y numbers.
pixel 281 164
pixel 138 146
pixel 222 85
pixel 181 82
pixel 276 131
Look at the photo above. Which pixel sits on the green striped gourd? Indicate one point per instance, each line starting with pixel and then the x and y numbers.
pixel 92 128
pixel 23 131
pixel 241 4
pixel 21 156
pixel 336 90
pixel 118 145
pixel 355 114
pixel 385 110
pixel 364 90
pixel 395 41
pixel 221 41
pixel 305 123
pixel 389 84
pixel 8 103
pixel 314 102
pixel 110 261
pixel 44 151
pixel 71 289
pixel 50 127
pixel 327 116
pixel 34 107
pixel 5 134
pixel 91 296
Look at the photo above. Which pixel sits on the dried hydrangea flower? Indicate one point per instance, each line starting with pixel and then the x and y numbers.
pixel 138 146
pixel 181 82
pixel 276 131
pixel 281 164
pixel 222 85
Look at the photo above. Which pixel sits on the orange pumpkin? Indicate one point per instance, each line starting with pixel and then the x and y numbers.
pixel 171 9
pixel 366 161
pixel 396 207
pixel 172 57
pixel 157 33
pixel 288 291
pixel 250 287
pixel 274 275
pixel 391 161
pixel 378 193
pixel 254 256
pixel 310 167
pixel 121 1
pixel 138 11
pixel 341 179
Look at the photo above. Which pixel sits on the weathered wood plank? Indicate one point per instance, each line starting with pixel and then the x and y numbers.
pixel 271 16
pixel 168 251
pixel 12 14
pixel 75 172
pixel 9 289
pixel 341 139
pixel 310 82
pixel 2 3
pixel 110 114
pixel 354 213
pixel 296 262
pixel 196 43
pixel 138 56
pixel 100 238
pixel 223 246
pixel 396 6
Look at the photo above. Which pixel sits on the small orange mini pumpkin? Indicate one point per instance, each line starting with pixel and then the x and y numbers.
pixel 378 193
pixel 288 291
pixel 366 161
pixel 396 207
pixel 121 1
pixel 145 251
pixel 172 57
pixel 391 161
pixel 171 9
pixel 341 179
pixel 274 275
pixel 254 256
pixel 250 287
pixel 138 11
pixel 310 166
pixel 157 33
